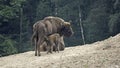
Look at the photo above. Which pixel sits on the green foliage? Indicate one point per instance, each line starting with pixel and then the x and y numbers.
pixel 96 25
pixel 7 46
pixel 7 12
pixel 17 3
pixel 41 7
pixel 100 19
pixel 114 23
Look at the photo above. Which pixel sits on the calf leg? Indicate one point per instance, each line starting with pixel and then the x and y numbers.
pixel 51 48
pixel 62 44
pixel 57 46
pixel 58 43
pixel 48 48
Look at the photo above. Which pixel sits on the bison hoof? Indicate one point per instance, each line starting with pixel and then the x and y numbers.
pixel 39 55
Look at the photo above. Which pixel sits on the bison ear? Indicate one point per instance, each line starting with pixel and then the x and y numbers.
pixel 67 24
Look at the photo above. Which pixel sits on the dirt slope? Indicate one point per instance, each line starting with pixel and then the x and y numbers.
pixel 102 54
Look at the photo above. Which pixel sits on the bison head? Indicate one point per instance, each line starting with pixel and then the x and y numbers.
pixel 67 29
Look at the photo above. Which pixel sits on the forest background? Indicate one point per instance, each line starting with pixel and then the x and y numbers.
pixel 100 19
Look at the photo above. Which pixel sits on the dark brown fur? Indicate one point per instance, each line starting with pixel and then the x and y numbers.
pixel 53 41
pixel 43 47
pixel 49 26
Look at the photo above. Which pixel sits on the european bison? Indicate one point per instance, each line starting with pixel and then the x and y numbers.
pixel 48 26
pixel 43 47
pixel 53 41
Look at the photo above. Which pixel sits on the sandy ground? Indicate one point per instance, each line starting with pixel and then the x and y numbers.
pixel 101 54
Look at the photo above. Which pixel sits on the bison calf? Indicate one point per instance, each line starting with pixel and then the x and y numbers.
pixel 53 41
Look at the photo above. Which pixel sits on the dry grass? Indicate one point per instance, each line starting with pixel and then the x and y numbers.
pixel 101 54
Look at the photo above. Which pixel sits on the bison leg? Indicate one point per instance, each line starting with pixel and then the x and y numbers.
pixel 39 51
pixel 48 48
pixel 51 48
pixel 35 47
pixel 38 47
pixel 62 44
pixel 34 38
pixel 35 50
pixel 58 44
pixel 54 47
pixel 58 47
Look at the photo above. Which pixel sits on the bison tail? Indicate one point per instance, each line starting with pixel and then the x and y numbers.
pixel 33 37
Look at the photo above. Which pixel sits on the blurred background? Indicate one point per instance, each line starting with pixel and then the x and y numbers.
pixel 92 20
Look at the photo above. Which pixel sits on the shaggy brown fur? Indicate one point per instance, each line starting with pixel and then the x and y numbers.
pixel 43 47
pixel 53 41
pixel 49 26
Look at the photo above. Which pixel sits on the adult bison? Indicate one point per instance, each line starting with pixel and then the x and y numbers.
pixel 48 26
